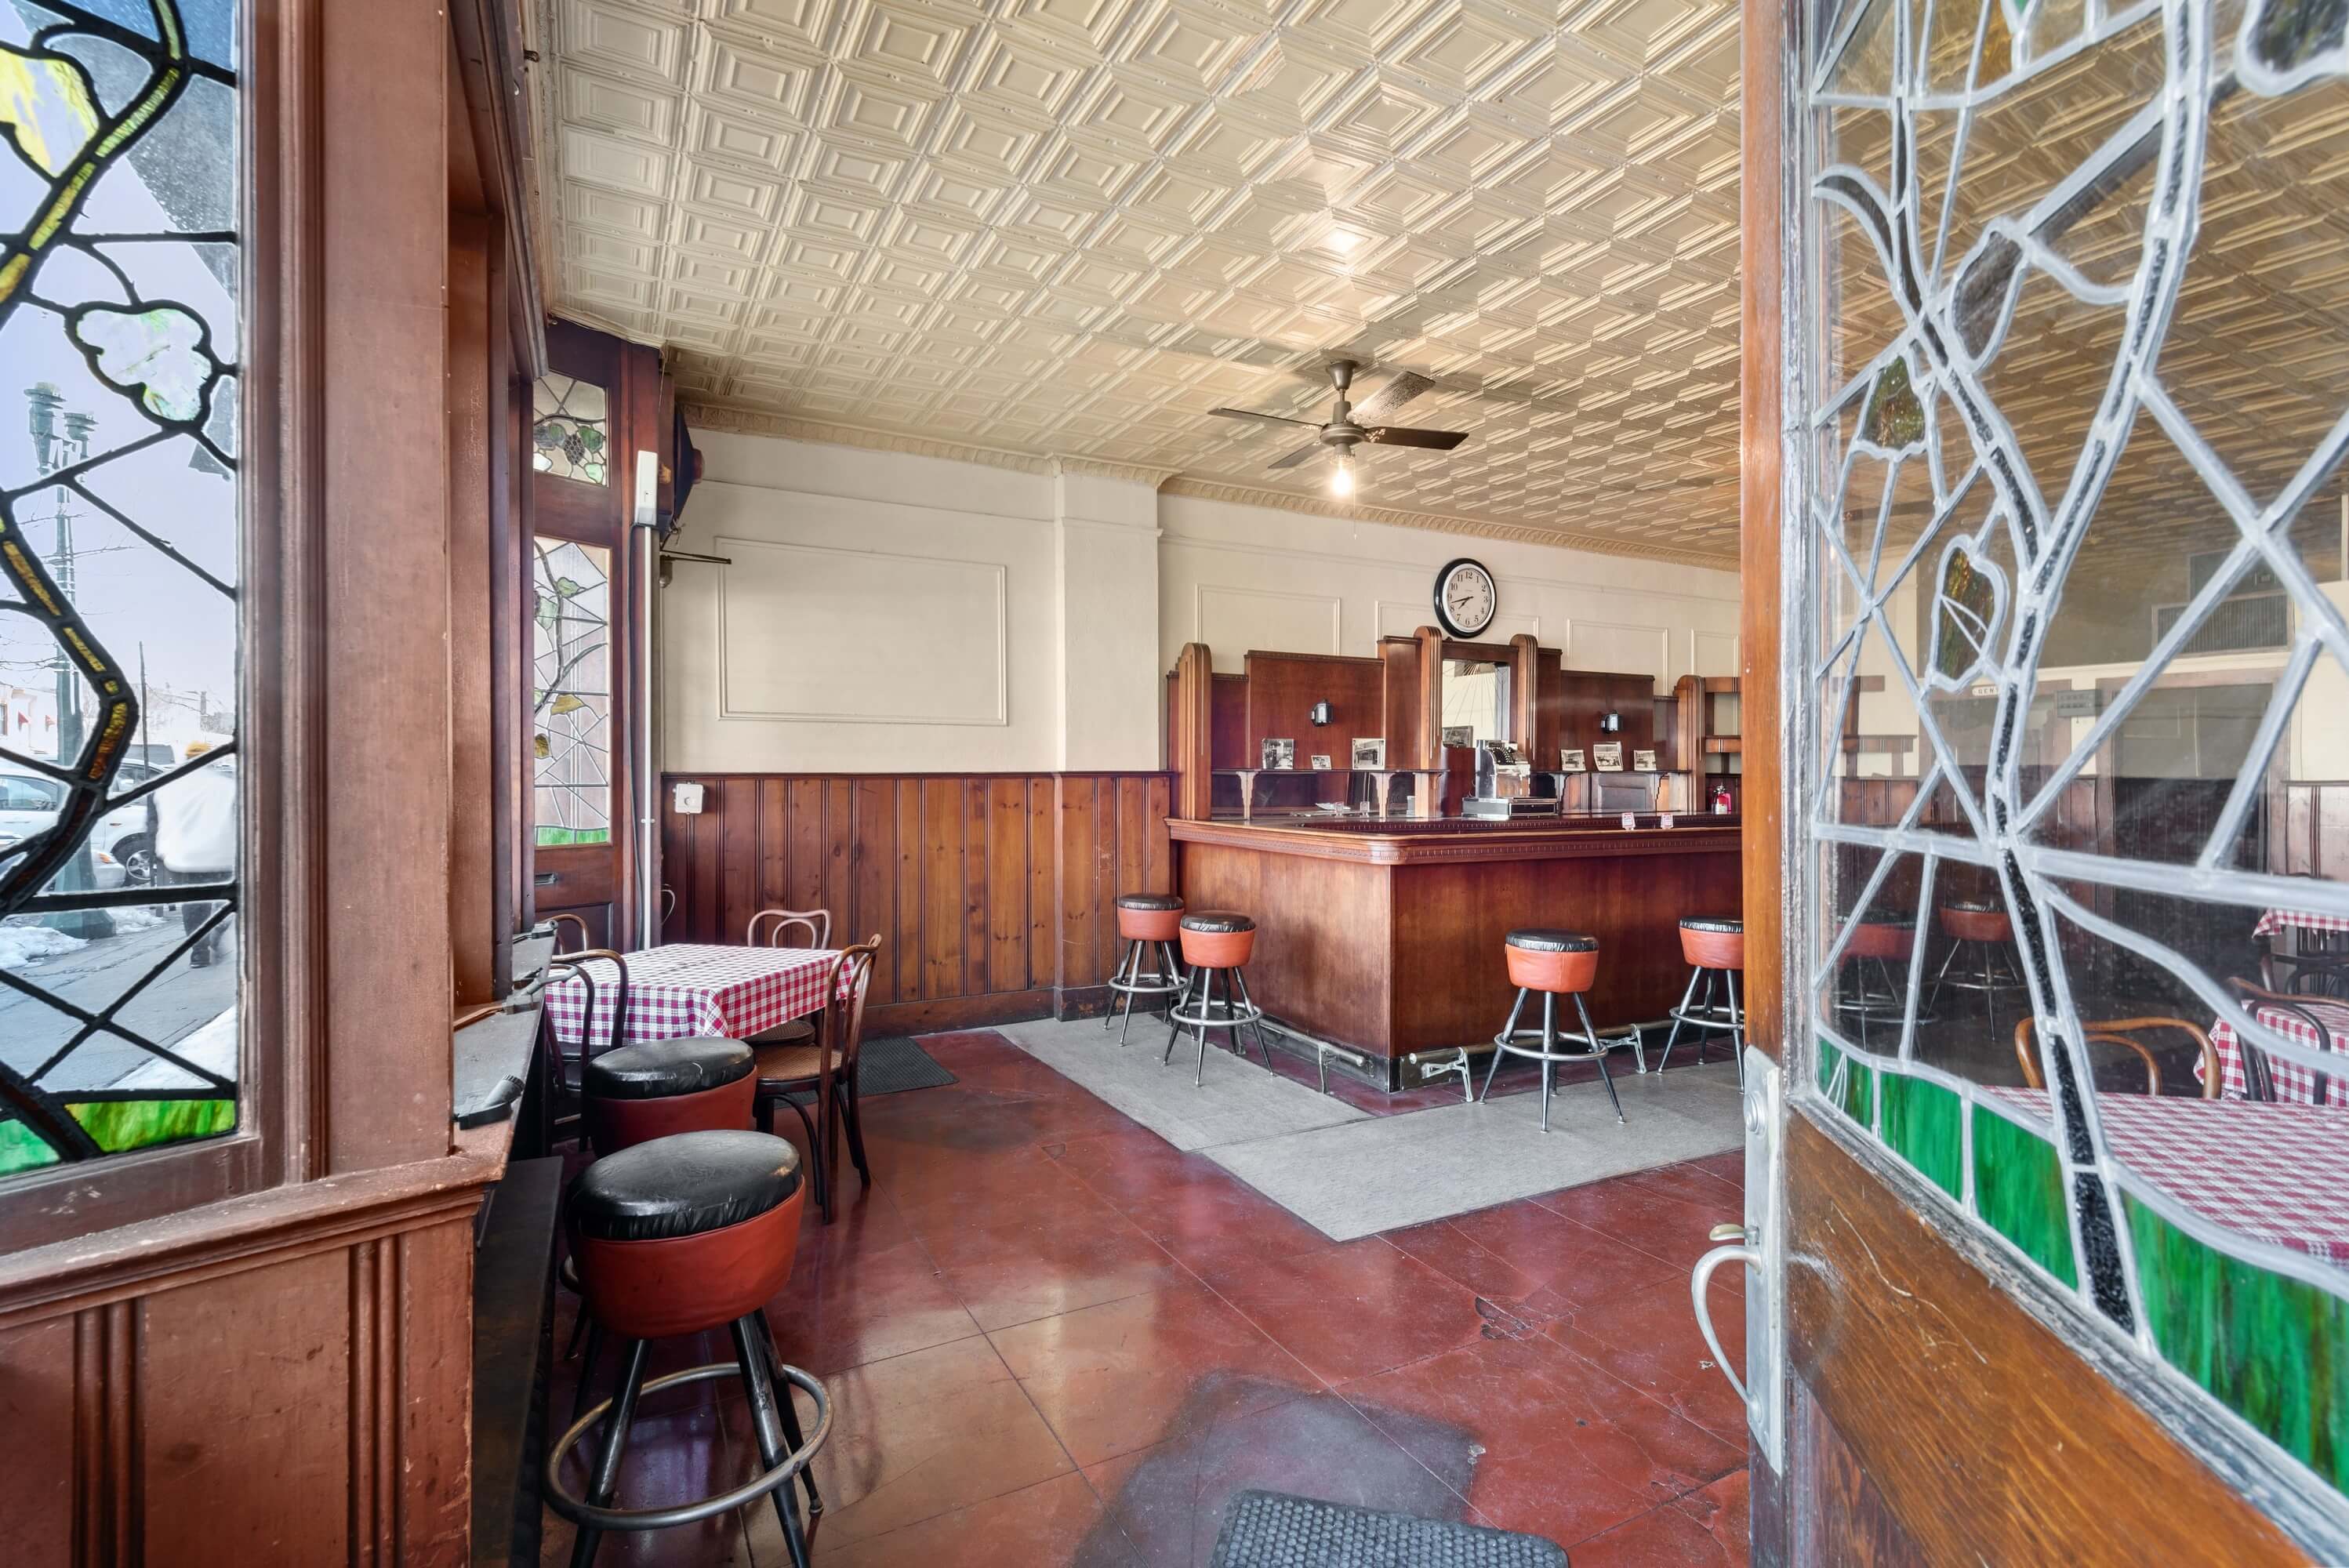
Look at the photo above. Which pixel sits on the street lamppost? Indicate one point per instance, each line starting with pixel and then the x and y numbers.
pixel 53 450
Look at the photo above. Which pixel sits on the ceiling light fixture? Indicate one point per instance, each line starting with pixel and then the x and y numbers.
pixel 1342 475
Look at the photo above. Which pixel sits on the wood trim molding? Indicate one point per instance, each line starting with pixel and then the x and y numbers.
pixel 1467 845
pixel 1193 742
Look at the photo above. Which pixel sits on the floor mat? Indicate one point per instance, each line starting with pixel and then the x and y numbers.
pixel 1384 1172
pixel 892 1064
pixel 1240 1101
pixel 1273 1530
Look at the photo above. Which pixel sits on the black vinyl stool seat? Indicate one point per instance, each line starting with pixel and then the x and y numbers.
pixel 1715 948
pixel 679 1235
pixel 1554 963
pixel 1146 969
pixel 1877 940
pixel 1981 936
pixel 1217 943
pixel 657 1069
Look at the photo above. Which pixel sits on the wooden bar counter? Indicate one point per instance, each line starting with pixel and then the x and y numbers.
pixel 1385 935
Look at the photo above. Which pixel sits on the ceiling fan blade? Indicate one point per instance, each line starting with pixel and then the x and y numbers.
pixel 1399 389
pixel 1269 418
pixel 1301 455
pixel 1404 436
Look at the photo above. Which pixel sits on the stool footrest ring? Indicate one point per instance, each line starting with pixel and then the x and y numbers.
pixel 581 1511
pixel 1590 1047
pixel 1233 1016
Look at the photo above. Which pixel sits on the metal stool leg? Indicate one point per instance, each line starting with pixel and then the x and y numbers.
pixel 579 1400
pixel 1255 1027
pixel 1549 1049
pixel 608 1461
pixel 1704 1011
pixel 1509 1031
pixel 1591 1034
pixel 769 1425
pixel 1174 1024
pixel 1673 1038
pixel 1934 998
pixel 1124 962
pixel 784 1408
pixel 1208 1011
pixel 1737 1025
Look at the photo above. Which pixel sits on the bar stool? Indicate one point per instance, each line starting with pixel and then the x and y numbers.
pixel 1879 940
pixel 656 1088
pixel 1556 964
pixel 1150 923
pixel 1980 925
pixel 1714 946
pixel 1215 941
pixel 681 1236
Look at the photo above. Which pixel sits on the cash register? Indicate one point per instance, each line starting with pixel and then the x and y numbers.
pixel 1505 785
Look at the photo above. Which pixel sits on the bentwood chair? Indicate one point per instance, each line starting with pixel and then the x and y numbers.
pixel 2138 1037
pixel 779 928
pixel 561 1106
pixel 562 922
pixel 2320 1016
pixel 825 1071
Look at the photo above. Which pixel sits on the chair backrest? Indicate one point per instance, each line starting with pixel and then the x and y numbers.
pixel 2321 1017
pixel 844 1017
pixel 777 923
pixel 560 921
pixel 2124 1033
pixel 577 963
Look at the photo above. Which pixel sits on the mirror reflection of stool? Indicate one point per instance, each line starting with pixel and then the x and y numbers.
pixel 681 1236
pixel 1215 941
pixel 1149 922
pixel 1876 943
pixel 1556 964
pixel 1714 948
pixel 1980 934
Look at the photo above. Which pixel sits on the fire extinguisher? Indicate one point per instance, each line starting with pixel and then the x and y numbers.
pixel 1721 804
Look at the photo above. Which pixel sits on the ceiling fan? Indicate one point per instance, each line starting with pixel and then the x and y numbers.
pixel 1349 426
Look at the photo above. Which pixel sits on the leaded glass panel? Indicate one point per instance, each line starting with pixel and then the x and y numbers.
pixel 120 553
pixel 568 429
pixel 571 694
pixel 2073 395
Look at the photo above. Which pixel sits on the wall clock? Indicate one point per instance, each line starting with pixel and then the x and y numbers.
pixel 1465 598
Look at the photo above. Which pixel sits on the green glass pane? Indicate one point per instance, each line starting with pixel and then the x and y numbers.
pixel 1921 1122
pixel 2019 1191
pixel 124 1124
pixel 21 1148
pixel 2273 1350
pixel 574 835
pixel 1857 1093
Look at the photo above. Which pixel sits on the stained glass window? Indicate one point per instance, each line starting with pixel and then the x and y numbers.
pixel 2074 765
pixel 119 339
pixel 568 429
pixel 571 696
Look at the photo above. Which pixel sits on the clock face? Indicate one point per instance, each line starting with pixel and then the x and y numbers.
pixel 1465 598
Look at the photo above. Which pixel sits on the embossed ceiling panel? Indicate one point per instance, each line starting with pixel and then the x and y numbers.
pixel 1070 227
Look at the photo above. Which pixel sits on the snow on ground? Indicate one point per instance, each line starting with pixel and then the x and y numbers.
pixel 22 946
pixel 134 918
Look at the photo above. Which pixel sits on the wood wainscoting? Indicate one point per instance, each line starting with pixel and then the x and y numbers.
pixel 994 893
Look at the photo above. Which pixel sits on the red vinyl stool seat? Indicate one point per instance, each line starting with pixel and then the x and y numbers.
pixel 679 1235
pixel 1982 934
pixel 1216 943
pixel 1553 963
pixel 1876 943
pixel 655 1088
pixel 1150 923
pixel 1713 945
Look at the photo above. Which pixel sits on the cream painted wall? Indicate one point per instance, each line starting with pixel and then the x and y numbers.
pixel 855 572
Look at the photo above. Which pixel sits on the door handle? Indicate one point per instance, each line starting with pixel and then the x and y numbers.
pixel 1700 1280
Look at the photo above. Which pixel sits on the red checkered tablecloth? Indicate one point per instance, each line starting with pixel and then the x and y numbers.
pixel 2277 1174
pixel 2290 1080
pixel 2275 920
pixel 692 988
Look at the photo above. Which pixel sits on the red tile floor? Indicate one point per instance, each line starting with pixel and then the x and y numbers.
pixel 1050 1338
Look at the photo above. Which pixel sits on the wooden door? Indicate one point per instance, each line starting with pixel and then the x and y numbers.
pixel 2042 412
pixel 591 412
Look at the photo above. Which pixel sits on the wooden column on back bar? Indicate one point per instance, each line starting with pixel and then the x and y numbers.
pixel 1525 691
pixel 1400 712
pixel 1194 738
pixel 1429 751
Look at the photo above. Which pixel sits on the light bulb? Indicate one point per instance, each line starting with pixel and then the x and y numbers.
pixel 1342 475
